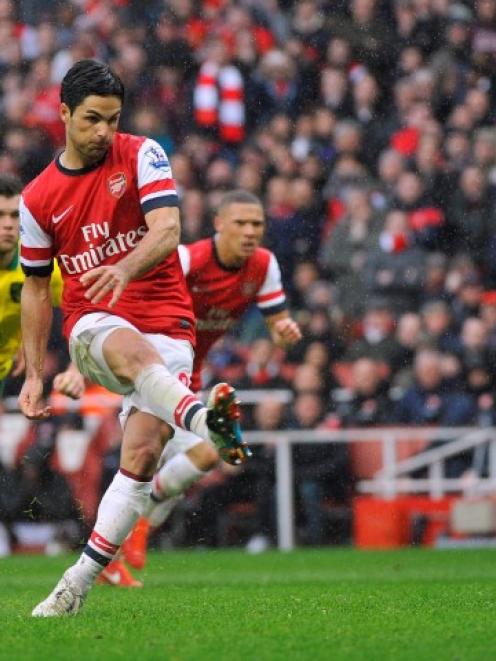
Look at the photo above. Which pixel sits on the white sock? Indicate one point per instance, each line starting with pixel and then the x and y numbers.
pixel 168 485
pixel 160 512
pixel 175 476
pixel 171 401
pixel 123 502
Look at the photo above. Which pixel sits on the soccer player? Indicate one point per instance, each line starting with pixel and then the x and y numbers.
pixel 225 275
pixel 69 382
pixel 107 209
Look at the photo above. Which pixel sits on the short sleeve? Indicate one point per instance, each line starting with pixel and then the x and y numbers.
pixel 156 185
pixel 271 298
pixel 36 244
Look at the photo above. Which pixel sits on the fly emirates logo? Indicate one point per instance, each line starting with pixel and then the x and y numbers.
pixel 100 245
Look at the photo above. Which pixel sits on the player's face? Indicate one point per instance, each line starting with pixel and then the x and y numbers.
pixel 90 129
pixel 9 223
pixel 241 228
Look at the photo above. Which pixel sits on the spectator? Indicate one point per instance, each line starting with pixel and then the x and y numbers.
pixel 488 316
pixel 474 350
pixel 471 215
pixel 439 332
pixel 377 341
pixel 395 269
pixel 430 401
pixel 369 403
pixel 343 255
pixel 467 300
pixel 436 271
pixel 262 367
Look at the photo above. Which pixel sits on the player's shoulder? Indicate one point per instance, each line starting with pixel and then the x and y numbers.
pixel 36 195
pixel 138 143
pixel 262 257
pixel 127 143
pixel 200 251
pixel 42 183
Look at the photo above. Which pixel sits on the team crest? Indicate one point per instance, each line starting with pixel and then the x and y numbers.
pixel 117 184
pixel 249 288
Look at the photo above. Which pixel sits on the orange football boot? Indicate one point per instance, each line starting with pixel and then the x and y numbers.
pixel 116 573
pixel 135 545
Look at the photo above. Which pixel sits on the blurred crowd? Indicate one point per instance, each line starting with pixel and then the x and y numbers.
pixel 367 129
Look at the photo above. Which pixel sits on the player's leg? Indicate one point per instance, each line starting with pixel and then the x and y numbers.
pixel 185 460
pixel 123 502
pixel 112 352
pixel 183 469
pixel 132 358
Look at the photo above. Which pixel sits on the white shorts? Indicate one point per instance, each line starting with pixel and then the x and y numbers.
pixel 86 350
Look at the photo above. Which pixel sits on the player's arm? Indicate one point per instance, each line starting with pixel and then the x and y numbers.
pixel 271 301
pixel 36 309
pixel 283 329
pixel 36 321
pixel 162 238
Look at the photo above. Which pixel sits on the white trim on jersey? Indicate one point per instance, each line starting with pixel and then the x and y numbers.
pixel 273 302
pixel 271 293
pixel 153 164
pixel 32 235
pixel 184 258
pixel 37 243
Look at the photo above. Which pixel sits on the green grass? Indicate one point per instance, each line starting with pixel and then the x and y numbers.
pixel 313 604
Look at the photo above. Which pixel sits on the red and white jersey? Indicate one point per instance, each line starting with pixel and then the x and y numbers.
pixel 95 216
pixel 221 295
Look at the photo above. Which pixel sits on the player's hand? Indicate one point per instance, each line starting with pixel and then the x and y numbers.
pixel 285 332
pixel 102 281
pixel 69 383
pixel 31 400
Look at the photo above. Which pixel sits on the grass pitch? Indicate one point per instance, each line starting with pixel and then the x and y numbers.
pixel 312 604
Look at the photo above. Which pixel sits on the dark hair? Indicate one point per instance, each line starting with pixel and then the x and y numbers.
pixel 88 77
pixel 238 197
pixel 10 185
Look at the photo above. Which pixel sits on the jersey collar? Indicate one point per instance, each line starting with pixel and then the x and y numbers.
pixel 78 171
pixel 232 269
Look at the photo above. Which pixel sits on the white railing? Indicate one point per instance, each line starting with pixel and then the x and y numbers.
pixel 390 480
pixel 249 397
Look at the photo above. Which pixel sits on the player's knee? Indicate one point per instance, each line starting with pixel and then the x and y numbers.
pixel 145 457
pixel 204 456
pixel 141 356
pixel 138 357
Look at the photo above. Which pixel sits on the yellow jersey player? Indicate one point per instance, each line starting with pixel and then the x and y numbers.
pixel 12 277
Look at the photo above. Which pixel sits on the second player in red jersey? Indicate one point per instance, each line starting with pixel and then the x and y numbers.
pixel 222 293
